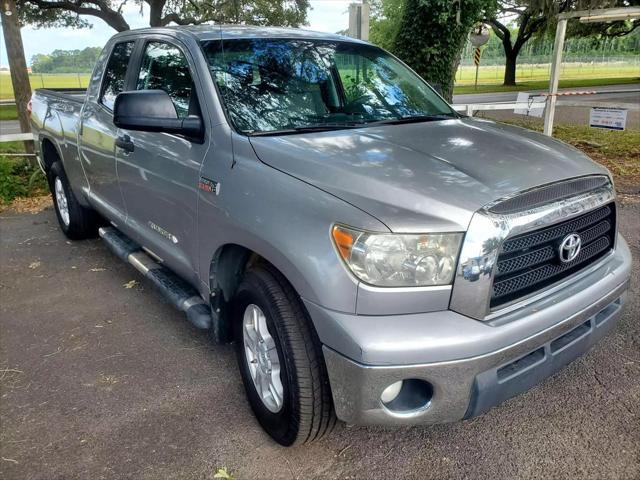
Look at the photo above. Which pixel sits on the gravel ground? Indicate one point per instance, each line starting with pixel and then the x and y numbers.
pixel 102 381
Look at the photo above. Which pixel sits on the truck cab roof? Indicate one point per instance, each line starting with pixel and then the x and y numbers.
pixel 220 31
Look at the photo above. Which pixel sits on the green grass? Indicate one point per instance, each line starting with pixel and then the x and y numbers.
pixel 544 84
pixel 494 74
pixel 618 151
pixel 11 147
pixel 18 177
pixel 70 80
pixel 8 112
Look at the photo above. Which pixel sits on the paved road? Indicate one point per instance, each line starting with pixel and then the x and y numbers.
pixel 627 97
pixel 8 127
pixel 103 382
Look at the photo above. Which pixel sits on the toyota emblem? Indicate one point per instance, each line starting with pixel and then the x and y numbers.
pixel 569 248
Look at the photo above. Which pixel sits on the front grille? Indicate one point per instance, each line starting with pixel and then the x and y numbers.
pixel 530 262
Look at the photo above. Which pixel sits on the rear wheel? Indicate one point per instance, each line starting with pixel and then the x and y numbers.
pixel 281 360
pixel 77 222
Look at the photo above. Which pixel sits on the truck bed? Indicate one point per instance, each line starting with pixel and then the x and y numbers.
pixel 56 116
pixel 72 94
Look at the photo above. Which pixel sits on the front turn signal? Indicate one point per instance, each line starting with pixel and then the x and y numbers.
pixel 344 240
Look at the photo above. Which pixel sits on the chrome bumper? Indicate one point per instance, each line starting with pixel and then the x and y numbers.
pixel 467 385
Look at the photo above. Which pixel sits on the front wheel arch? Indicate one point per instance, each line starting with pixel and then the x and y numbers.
pixel 226 271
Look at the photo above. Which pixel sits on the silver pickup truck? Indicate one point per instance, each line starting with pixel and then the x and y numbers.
pixel 375 256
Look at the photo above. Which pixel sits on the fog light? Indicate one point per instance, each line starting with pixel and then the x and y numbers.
pixel 391 392
pixel 409 397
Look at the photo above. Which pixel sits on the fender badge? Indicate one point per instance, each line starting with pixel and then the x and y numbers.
pixel 207 185
pixel 162 232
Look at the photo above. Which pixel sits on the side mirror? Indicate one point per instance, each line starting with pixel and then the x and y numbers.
pixel 153 111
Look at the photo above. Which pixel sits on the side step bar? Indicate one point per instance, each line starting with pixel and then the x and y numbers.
pixel 175 290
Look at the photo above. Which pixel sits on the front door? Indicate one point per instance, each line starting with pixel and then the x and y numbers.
pixel 159 177
pixel 98 135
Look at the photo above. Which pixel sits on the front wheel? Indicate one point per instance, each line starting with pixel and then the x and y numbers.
pixel 281 360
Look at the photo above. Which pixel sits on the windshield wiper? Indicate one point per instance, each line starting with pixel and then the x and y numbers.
pixel 320 127
pixel 413 119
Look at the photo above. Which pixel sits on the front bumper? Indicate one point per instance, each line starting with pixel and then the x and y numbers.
pixel 471 365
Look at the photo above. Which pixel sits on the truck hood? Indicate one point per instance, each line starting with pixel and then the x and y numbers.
pixel 424 177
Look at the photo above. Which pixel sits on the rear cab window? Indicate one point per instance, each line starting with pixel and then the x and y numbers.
pixel 113 81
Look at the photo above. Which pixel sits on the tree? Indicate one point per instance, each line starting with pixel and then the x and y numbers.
pixel 163 12
pixel 537 17
pixel 386 16
pixel 73 13
pixel 532 17
pixel 17 66
pixel 432 34
pixel 66 61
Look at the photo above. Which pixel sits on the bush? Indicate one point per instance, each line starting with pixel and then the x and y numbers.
pixel 19 179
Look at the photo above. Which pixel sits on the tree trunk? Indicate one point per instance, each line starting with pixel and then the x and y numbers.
pixel 510 68
pixel 155 13
pixel 18 67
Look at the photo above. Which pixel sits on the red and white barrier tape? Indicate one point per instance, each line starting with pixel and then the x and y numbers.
pixel 563 94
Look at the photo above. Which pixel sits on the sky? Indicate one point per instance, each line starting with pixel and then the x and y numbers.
pixel 324 16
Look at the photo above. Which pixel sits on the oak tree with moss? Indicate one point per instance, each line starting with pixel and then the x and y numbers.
pixel 432 34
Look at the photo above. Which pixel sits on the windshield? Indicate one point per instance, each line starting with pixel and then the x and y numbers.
pixel 272 86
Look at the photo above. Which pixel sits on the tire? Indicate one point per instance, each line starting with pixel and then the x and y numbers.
pixel 306 410
pixel 76 221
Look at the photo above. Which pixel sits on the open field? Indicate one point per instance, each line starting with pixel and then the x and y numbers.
pixel 543 85
pixel 493 74
pixel 66 80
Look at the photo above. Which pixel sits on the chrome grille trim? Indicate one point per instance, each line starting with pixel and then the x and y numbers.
pixel 540 196
pixel 471 294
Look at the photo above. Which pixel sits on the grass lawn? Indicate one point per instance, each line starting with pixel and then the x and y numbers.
pixel 8 112
pixel 544 84
pixel 70 80
pixel 618 151
pixel 494 74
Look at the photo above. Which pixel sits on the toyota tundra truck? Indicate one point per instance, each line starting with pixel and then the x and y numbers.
pixel 374 256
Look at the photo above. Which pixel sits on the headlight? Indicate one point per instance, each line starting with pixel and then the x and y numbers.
pixel 392 260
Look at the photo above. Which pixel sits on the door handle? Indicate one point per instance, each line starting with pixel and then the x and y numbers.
pixel 124 142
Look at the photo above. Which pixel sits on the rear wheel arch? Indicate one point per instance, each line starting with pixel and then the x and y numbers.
pixel 50 153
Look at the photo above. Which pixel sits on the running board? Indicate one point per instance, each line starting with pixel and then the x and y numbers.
pixel 176 291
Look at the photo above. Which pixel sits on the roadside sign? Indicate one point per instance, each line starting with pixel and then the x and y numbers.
pixel 479 35
pixel 530 105
pixel 476 56
pixel 609 118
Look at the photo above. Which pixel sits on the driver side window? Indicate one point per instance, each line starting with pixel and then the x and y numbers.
pixel 164 67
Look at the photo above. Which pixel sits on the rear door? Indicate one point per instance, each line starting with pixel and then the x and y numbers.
pixel 98 134
pixel 159 178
